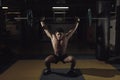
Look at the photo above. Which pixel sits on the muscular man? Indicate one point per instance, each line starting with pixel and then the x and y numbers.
pixel 59 41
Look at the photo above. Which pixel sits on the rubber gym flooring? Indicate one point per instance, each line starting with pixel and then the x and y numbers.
pixel 90 69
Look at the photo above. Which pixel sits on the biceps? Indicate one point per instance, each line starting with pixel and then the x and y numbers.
pixel 69 34
pixel 48 33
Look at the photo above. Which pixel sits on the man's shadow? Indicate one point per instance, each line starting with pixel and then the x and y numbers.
pixel 100 72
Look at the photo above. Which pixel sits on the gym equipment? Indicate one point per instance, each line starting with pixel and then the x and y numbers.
pixel 30 17
pixel 89 17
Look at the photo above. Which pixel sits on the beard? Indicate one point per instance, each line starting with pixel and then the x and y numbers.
pixel 59 38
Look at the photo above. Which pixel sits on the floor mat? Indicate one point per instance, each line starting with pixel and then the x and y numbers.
pixel 61 74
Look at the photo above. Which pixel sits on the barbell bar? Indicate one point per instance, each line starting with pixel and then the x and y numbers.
pixel 25 18
pixel 30 18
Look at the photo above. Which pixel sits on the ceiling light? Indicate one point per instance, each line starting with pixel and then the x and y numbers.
pixel 59 8
pixel 4 7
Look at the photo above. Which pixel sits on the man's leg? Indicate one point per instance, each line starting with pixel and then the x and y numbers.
pixel 48 60
pixel 72 60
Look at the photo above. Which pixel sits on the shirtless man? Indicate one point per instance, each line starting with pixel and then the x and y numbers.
pixel 59 43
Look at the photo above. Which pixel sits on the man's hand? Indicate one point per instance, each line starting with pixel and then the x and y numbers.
pixel 42 22
pixel 77 19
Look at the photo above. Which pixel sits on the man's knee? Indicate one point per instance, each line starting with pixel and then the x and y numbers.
pixel 46 60
pixel 70 59
pixel 49 59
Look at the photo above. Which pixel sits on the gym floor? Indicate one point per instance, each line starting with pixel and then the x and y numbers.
pixel 91 69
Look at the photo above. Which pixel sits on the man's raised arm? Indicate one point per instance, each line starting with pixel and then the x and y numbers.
pixel 71 31
pixel 44 26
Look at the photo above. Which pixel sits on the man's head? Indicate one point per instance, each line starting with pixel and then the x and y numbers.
pixel 59 33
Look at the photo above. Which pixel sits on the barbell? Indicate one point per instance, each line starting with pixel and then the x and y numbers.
pixel 30 18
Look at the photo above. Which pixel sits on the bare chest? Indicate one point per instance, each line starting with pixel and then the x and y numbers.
pixel 58 42
pixel 62 42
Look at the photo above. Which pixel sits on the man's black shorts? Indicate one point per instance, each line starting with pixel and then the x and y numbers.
pixel 60 58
